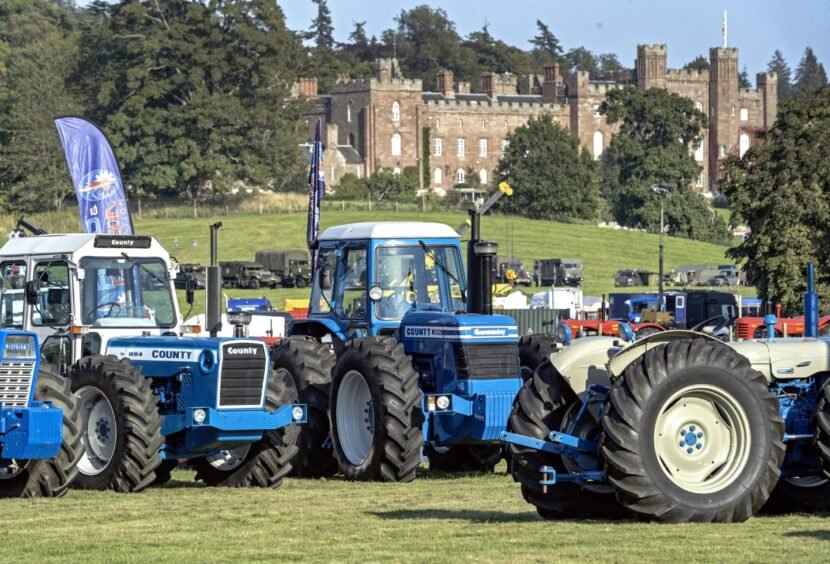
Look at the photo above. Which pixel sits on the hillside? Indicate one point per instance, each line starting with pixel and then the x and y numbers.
pixel 602 251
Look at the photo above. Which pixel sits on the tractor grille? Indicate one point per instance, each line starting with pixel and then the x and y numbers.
pixel 16 382
pixel 481 361
pixel 242 375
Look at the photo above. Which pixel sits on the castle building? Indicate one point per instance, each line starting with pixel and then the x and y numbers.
pixel 385 122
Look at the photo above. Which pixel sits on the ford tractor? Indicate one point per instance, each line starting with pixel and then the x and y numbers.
pixel 403 353
pixel 677 426
pixel 40 438
pixel 104 309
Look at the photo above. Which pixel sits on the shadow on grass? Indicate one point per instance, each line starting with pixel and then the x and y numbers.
pixel 818 535
pixel 471 515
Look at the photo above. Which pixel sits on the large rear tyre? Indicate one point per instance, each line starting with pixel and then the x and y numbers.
pixel 808 494
pixel 120 422
pixel 262 464
pixel 376 412
pixel 48 477
pixel 545 403
pixel 463 458
pixel 309 364
pixel 691 433
pixel 533 351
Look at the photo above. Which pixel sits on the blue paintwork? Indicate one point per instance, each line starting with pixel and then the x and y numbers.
pixel 810 305
pixel 186 376
pixel 36 430
pixel 770 320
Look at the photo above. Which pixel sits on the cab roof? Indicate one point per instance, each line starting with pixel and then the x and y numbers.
pixel 389 230
pixel 71 243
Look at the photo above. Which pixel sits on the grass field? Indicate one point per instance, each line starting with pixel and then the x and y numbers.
pixel 602 251
pixel 435 518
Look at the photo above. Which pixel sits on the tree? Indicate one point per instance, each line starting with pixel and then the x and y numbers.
pixel 609 62
pixel 809 75
pixel 779 66
pixel 38 51
pixel 743 79
pixel 554 177
pixel 767 191
pixel 494 55
pixel 580 59
pixel 657 130
pixel 699 63
pixel 196 97
pixel 546 47
pixel 425 42
pixel 322 31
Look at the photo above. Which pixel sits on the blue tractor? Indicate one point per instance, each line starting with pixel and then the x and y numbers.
pixel 400 354
pixel 104 307
pixel 40 438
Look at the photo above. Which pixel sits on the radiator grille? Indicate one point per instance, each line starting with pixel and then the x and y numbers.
pixel 16 382
pixel 242 375
pixel 482 361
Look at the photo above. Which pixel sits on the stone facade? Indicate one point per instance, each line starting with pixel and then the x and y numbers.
pixel 384 119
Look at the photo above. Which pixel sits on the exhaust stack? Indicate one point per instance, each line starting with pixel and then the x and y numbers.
pixel 213 286
pixel 810 305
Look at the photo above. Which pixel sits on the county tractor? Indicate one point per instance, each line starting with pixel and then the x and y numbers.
pixel 677 426
pixel 104 310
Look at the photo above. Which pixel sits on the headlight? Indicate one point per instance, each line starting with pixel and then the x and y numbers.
pixel 443 402
pixel 297 413
pixel 199 416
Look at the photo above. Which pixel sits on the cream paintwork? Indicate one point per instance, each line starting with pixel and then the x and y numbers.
pixel 597 360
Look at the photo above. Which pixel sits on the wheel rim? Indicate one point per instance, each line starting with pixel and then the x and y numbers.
pixel 702 438
pixel 808 481
pixel 11 468
pixel 100 433
pixel 355 418
pixel 228 460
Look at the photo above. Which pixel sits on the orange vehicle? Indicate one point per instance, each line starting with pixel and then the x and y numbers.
pixel 593 327
pixel 754 328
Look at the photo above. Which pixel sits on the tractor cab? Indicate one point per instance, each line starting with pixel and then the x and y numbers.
pixel 84 289
pixel 371 275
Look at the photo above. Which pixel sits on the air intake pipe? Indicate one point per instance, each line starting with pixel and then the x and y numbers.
pixel 486 256
pixel 213 286
pixel 810 305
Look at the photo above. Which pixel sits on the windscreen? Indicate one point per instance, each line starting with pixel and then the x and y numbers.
pixel 121 292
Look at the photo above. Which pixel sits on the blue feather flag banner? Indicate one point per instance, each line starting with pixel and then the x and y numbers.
pixel 96 177
pixel 316 190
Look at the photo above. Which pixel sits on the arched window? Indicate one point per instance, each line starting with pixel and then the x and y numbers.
pixel 437 176
pixel 396 144
pixel 461 123
pixel 482 176
pixel 597 144
pixel 744 114
pixel 699 153
pixel 396 111
pixel 459 176
pixel 699 106
pixel 350 111
pixel 743 144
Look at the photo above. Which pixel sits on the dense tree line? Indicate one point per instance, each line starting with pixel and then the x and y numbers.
pixel 195 97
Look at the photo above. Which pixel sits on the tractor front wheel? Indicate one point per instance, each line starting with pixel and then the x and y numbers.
pixel 544 404
pixel 692 433
pixel 120 423
pixel 376 411
pixel 47 477
pixel 309 364
pixel 261 464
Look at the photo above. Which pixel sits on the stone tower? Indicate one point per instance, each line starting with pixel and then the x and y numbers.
pixel 767 83
pixel 723 106
pixel 651 66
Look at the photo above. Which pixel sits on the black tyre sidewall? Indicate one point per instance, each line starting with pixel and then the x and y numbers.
pixel 761 438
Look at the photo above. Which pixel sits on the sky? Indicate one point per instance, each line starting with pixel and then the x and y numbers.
pixel 688 28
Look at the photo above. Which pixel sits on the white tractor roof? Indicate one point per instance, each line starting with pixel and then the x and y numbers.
pixel 389 230
pixel 71 243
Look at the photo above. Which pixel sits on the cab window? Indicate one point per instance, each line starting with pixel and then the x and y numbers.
pixel 323 289
pixel 12 293
pixel 353 283
pixel 54 306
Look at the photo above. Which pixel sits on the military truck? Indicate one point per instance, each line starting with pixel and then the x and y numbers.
pixel 190 276
pixel 512 271
pixel 292 267
pixel 246 274
pixel 558 272
pixel 632 277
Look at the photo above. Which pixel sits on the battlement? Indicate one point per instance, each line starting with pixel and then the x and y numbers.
pixel 723 53
pixel 651 49
pixel 476 106
pixel 599 88
pixel 367 84
pixel 749 94
pixel 688 75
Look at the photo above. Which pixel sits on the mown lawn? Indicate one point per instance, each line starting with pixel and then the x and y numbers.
pixel 436 518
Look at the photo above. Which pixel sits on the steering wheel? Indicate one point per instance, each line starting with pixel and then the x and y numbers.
pixel 111 304
pixel 717 323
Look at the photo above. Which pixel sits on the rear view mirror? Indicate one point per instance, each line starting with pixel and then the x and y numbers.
pixel 189 293
pixel 32 292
